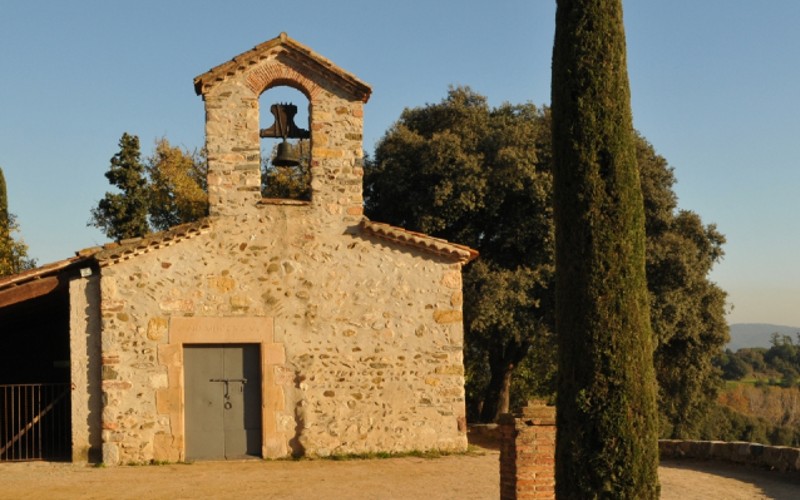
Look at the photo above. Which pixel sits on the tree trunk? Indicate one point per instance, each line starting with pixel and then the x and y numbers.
pixel 498 392
pixel 607 442
pixel 502 362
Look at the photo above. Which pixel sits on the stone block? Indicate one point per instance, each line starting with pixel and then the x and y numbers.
pixel 275 399
pixel 274 354
pixel 170 354
pixel 275 446
pixel 157 328
pixel 445 316
pixel 111 454
pixel 165 449
pixel 168 401
pixel 451 279
pixel 450 370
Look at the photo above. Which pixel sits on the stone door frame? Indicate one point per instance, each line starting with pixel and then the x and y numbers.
pixel 219 330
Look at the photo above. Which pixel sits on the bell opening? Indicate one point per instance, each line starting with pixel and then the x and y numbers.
pixel 284 127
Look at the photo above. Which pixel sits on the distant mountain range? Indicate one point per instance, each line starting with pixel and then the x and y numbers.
pixel 757 334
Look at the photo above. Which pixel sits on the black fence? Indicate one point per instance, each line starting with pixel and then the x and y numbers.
pixel 35 422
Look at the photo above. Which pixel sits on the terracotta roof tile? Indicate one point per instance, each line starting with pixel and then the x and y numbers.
pixel 114 253
pixel 294 50
pixel 422 241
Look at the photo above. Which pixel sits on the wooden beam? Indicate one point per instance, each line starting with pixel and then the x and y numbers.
pixel 27 291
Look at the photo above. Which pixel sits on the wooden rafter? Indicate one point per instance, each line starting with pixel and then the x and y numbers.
pixel 27 291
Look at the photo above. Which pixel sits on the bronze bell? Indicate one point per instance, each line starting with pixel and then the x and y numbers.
pixel 286 156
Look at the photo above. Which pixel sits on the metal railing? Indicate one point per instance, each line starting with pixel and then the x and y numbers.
pixel 35 422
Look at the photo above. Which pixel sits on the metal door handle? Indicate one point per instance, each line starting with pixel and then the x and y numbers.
pixel 226 391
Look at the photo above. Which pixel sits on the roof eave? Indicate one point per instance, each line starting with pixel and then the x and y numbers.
pixel 460 253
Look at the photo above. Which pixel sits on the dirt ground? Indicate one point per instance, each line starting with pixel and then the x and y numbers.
pixel 473 476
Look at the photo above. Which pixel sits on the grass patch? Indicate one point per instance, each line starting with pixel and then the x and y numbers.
pixel 155 463
pixel 382 455
pixel 755 381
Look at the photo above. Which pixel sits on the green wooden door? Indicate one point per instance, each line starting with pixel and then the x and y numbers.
pixel 223 401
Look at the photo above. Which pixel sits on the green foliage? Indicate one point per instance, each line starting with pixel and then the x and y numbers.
pixel 733 367
pixel 754 357
pixel 13 252
pixel 723 423
pixel 166 190
pixel 778 365
pixel 178 190
pixel 505 321
pixel 784 357
pixel 463 171
pixel 123 214
pixel 687 310
pixel 383 455
pixel 4 230
pixel 687 317
pixel 606 420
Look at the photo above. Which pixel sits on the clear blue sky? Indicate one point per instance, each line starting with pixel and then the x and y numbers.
pixel 715 88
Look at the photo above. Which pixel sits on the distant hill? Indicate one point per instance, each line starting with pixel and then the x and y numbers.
pixel 757 334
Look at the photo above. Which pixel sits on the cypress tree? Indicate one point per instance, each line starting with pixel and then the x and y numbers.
pixel 124 215
pixel 5 230
pixel 606 419
pixel 6 244
pixel 13 254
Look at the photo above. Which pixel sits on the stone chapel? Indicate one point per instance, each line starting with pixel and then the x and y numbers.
pixel 271 328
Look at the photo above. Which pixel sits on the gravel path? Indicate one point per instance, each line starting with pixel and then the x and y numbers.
pixel 456 477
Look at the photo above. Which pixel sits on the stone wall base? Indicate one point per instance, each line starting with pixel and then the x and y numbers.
pixel 782 458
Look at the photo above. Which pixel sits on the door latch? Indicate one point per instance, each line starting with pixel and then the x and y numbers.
pixel 226 389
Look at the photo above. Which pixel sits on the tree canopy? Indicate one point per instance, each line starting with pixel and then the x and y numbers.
pixel 687 309
pixel 13 252
pixel 167 189
pixel 177 186
pixel 778 365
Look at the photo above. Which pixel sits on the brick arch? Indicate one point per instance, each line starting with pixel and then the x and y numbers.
pixel 276 74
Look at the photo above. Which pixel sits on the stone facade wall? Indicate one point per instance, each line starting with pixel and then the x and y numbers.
pixel 371 335
pixel 527 453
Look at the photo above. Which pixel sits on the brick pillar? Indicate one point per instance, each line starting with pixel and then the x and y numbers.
pixel 527 453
